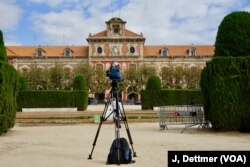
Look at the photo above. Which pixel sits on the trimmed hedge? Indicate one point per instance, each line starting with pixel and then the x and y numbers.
pixel 164 97
pixel 225 85
pixel 8 93
pixel 53 99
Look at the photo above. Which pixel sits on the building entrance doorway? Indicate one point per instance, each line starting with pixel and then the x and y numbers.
pixel 132 96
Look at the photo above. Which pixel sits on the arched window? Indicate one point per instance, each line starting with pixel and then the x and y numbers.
pixel 39 52
pixel 192 52
pixel 67 52
pixel 24 70
pixel 164 52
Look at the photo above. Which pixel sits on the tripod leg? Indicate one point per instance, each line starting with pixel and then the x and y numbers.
pixel 124 119
pixel 96 136
pixel 129 136
pixel 104 117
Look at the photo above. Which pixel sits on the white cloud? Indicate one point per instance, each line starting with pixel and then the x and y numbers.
pixel 10 15
pixel 53 26
pixel 74 3
pixel 179 21
pixel 70 26
pixel 161 21
pixel 53 3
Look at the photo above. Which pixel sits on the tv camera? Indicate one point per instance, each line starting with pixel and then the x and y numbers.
pixel 114 72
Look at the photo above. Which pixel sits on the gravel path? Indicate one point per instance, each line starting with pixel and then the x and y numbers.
pixel 69 146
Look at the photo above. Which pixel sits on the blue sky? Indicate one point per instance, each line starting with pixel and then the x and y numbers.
pixel 69 22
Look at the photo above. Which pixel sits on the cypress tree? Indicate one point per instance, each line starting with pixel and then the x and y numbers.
pixel 154 83
pixel 3 54
pixel 79 82
pixel 233 36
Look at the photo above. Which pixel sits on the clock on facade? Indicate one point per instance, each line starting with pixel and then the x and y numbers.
pixel 116 29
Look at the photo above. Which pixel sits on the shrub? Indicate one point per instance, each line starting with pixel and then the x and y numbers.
pixel 154 83
pixel 3 54
pixel 80 82
pixel 151 98
pixel 81 99
pixel 233 36
pixel 8 93
pixel 225 87
pixel 53 98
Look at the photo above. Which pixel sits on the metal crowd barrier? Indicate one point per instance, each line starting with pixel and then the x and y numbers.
pixel 188 115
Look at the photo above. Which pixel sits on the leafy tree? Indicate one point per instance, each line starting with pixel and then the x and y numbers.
pixel 22 82
pixel 192 77
pixel 37 78
pixel 179 77
pixel 132 78
pixel 167 76
pixel 53 78
pixel 3 54
pixel 145 72
pixel 56 76
pixel 100 81
pixel 87 70
pixel 122 86
pixel 68 79
pixel 233 36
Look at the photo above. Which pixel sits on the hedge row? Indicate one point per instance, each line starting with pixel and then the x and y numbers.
pixel 164 97
pixel 8 93
pixel 225 84
pixel 53 99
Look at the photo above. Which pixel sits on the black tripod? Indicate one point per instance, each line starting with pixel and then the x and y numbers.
pixel 119 115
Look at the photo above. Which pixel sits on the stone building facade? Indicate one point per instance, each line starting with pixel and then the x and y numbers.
pixel 115 43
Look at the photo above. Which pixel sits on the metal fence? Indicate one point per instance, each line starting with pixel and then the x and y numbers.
pixel 188 115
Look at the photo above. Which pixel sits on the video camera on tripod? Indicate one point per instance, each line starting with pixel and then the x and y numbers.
pixel 120 153
pixel 114 72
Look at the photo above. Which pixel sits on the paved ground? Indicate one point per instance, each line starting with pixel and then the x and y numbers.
pixel 69 146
